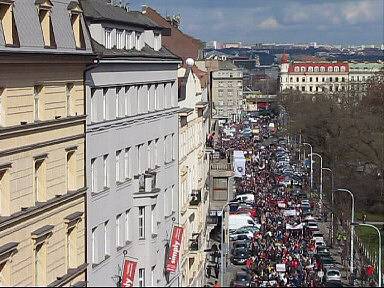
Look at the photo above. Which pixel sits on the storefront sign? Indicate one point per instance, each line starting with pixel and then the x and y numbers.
pixel 173 257
pixel 128 273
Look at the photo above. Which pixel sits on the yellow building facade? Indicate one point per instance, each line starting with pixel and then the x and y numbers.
pixel 42 122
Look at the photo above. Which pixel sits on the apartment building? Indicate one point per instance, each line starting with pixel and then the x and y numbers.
pixel 193 162
pixel 193 176
pixel 44 48
pixel 313 77
pixel 227 91
pixel 132 147
pixel 360 73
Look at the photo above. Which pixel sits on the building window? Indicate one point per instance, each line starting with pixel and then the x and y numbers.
pixel 165 149
pixel 336 79
pixel 153 219
pixel 105 171
pixel 303 79
pixel 297 69
pixel 138 41
pixel 149 98
pixel 106 239
pixel 157 42
pixel 291 79
pixel 317 79
pixel 310 69
pixel 8 24
pixel 303 88
pixel 40 181
pixel 142 222
pixel 153 276
pixel 316 69
pixel 330 79
pixel 343 79
pixel 149 156
pixel 118 232
pixel 120 39
pixel 317 89
pixel 71 171
pixel 142 277
pixel 5 192
pixel 127 168
pixel 331 88
pixel 336 69
pixel 330 68
pixel 322 69
pixel 68 92
pixel 94 246
pixel 310 79
pixel 117 166
pixel 93 106
pixel 129 39
pixel 108 38
pixel 117 102
pixel 302 69
pixel 310 88
pixel 342 68
pixel 77 27
pixel 323 79
pixel 105 90
pixel 72 248
pixel 297 79
pixel 40 266
pixel 45 11
pixel 155 97
pixel 93 176
pixel 37 105
pixel 128 226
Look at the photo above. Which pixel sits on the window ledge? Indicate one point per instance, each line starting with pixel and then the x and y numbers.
pixel 102 262
pixel 99 193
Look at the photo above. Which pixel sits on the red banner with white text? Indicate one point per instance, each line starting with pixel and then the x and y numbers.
pixel 128 273
pixel 173 257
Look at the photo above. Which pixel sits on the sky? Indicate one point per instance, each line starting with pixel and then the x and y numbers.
pixel 280 21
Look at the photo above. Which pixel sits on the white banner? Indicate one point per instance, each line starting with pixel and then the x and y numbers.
pixel 291 212
pixel 294 227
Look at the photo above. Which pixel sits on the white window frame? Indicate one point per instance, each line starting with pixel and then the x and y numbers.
pixel 106 239
pixel 68 89
pixel 153 219
pixel 141 222
pixel 127 170
pixel 120 39
pixel 117 103
pixel 156 152
pixel 127 225
pixel 93 175
pixel 108 38
pixel 142 277
pixel 138 41
pixel 105 91
pixel 118 242
pixel 105 171
pixel 94 245
pixel 117 166
pixel 36 96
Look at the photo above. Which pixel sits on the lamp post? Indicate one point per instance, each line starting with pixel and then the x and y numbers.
pixel 378 232
pixel 352 221
pixel 321 180
pixel 222 243
pixel 311 164
pixel 332 203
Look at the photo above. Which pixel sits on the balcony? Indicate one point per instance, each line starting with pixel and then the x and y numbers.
pixel 195 198
pixel 146 184
pixel 195 244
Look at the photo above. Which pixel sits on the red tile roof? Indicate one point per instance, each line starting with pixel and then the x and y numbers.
pixel 178 43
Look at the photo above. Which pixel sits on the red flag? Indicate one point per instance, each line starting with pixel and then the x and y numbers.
pixel 174 251
pixel 129 273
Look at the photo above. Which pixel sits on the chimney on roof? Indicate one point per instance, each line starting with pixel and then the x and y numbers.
pixel 144 8
pixel 120 3
pixel 174 20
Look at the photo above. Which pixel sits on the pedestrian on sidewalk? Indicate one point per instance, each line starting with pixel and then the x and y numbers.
pixel 216 285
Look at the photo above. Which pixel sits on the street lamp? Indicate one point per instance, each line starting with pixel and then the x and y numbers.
pixel 222 242
pixel 311 164
pixel 378 232
pixel 321 179
pixel 352 221
pixel 332 201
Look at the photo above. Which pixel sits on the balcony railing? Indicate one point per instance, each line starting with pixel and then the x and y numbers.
pixel 194 242
pixel 221 166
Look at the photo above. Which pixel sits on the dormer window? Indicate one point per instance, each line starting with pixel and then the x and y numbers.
pixel 310 69
pixel 129 39
pixel 138 41
pixel 45 11
pixel 157 42
pixel 322 69
pixel 120 39
pixel 336 69
pixel 342 68
pixel 330 68
pixel 316 69
pixel 77 28
pixel 297 69
pixel 108 38
pixel 302 69
pixel 7 22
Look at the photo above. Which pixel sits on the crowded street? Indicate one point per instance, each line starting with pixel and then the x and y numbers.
pixel 275 228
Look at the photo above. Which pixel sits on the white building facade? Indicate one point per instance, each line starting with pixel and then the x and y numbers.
pixel 132 148
pixel 193 176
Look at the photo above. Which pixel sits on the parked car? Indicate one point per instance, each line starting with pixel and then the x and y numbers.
pixel 239 256
pixel 241 244
pixel 242 279
pixel 317 236
pixel 247 198
pixel 333 274
pixel 236 221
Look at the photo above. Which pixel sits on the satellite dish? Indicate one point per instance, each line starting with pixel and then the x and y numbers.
pixel 190 62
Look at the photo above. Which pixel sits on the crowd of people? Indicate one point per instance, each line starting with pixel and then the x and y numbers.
pixel 282 251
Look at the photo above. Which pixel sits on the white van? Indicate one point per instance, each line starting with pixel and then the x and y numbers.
pixel 247 198
pixel 237 221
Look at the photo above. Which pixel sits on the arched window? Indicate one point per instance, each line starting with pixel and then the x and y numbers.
pixel 310 69
pixel 322 69
pixel 330 68
pixel 342 68
pixel 302 69
pixel 336 69
pixel 297 69
pixel 316 69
